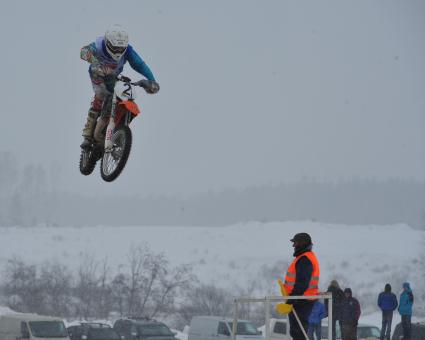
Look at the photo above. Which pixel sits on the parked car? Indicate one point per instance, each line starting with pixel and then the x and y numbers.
pixel 92 331
pixel 368 332
pixel 143 329
pixel 213 327
pixel 418 331
pixel 31 326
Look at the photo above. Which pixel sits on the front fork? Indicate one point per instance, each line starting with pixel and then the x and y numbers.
pixel 111 125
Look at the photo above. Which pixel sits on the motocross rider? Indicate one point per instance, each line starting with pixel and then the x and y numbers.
pixel 107 56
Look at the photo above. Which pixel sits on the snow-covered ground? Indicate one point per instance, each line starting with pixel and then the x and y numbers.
pixel 6 310
pixel 365 257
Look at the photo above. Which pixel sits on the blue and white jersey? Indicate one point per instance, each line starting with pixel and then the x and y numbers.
pixel 102 65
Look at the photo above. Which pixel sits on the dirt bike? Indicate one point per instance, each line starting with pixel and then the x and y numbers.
pixel 118 138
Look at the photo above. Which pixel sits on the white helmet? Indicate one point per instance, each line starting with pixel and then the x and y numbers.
pixel 116 41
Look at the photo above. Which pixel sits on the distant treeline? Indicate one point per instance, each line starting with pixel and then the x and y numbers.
pixel 146 284
pixel 27 198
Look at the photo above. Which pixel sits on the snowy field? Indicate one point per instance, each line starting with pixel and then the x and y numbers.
pixel 363 257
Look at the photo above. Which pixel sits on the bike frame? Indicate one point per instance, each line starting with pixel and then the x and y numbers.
pixel 121 108
pixel 120 105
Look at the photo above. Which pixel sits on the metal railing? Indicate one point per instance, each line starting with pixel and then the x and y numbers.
pixel 268 300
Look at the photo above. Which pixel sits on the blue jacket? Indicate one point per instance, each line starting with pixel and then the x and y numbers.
pixel 387 301
pixel 102 65
pixel 406 300
pixel 317 313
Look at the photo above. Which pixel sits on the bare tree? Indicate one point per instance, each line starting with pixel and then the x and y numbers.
pixel 104 291
pixel 136 257
pixel 155 268
pixel 56 283
pixel 119 292
pixel 85 290
pixel 22 284
pixel 150 285
pixel 172 282
pixel 205 299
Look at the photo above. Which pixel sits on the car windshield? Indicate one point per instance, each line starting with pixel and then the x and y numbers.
pixel 244 328
pixel 48 329
pixel 366 332
pixel 154 330
pixel 104 333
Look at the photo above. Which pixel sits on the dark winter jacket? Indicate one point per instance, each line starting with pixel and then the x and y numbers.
pixel 350 310
pixel 406 300
pixel 317 313
pixel 337 298
pixel 387 301
pixel 304 269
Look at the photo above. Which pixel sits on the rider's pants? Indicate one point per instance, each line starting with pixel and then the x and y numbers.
pixel 100 94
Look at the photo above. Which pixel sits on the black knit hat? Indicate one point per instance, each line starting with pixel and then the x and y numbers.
pixel 302 238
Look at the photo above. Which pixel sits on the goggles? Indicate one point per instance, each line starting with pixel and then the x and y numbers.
pixel 115 49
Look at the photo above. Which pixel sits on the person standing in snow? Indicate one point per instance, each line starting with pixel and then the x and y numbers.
pixel 350 314
pixel 405 310
pixel 302 278
pixel 387 301
pixel 315 320
pixel 337 298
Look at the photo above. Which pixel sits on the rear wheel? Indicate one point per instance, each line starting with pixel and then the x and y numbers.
pixel 113 162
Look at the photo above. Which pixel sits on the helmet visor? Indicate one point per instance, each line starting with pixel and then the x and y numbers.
pixel 115 49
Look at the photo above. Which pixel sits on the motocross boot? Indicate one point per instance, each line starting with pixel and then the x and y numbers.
pixel 89 129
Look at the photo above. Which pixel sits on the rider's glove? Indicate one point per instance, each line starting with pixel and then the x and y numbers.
pixel 152 87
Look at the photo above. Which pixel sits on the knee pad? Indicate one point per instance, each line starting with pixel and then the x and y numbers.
pixel 96 104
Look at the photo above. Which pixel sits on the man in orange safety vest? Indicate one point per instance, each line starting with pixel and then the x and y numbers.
pixel 302 278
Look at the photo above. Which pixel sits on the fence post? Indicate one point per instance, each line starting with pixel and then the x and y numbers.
pixel 235 319
pixel 267 306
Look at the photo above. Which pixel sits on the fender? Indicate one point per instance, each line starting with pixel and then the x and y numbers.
pixel 123 107
pixel 130 106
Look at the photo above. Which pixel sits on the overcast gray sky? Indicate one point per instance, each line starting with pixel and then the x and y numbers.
pixel 252 92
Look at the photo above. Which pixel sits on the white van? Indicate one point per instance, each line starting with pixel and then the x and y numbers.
pixel 279 329
pixel 21 326
pixel 219 328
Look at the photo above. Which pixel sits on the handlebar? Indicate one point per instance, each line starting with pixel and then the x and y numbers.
pixel 149 86
pixel 124 79
pixel 142 83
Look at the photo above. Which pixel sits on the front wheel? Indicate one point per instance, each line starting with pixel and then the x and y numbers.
pixel 113 161
pixel 88 159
